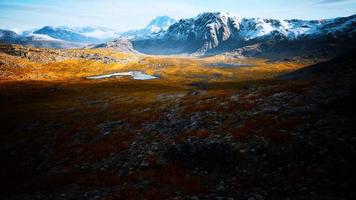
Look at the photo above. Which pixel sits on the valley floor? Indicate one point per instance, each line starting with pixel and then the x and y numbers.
pixel 198 131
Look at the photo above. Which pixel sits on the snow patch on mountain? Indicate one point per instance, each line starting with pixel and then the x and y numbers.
pixel 101 34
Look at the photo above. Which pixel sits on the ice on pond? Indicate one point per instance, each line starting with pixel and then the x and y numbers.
pixel 136 75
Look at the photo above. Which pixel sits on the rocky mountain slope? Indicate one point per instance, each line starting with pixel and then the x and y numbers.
pixel 120 44
pixel 338 67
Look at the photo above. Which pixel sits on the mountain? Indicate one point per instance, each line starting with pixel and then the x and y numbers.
pixel 206 34
pixel 341 66
pixel 154 28
pixel 65 34
pixel 159 24
pixel 119 44
pixel 213 33
pixel 100 33
pixel 38 40
pixel 7 35
pixel 87 34
pixel 59 37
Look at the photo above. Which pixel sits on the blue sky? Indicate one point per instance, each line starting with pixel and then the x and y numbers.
pixel 130 14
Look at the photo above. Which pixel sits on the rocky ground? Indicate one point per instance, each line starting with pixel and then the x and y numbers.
pixel 58 55
pixel 287 138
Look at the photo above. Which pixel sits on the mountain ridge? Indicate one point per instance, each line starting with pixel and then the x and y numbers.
pixel 209 32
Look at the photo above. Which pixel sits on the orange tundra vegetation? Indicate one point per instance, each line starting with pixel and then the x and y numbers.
pixel 87 127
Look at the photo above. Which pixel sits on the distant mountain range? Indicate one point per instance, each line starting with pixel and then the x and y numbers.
pixel 66 34
pixel 38 40
pixel 59 37
pixel 78 37
pixel 206 34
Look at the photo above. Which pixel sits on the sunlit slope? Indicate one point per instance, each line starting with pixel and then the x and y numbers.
pixel 50 65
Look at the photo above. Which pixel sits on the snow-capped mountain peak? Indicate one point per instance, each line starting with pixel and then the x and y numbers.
pixel 156 26
pixel 160 23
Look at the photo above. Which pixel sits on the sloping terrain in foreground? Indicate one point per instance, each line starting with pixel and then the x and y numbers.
pixel 194 133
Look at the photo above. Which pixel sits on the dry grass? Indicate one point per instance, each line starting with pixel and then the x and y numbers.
pixel 178 69
pixel 69 109
pixel 267 126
